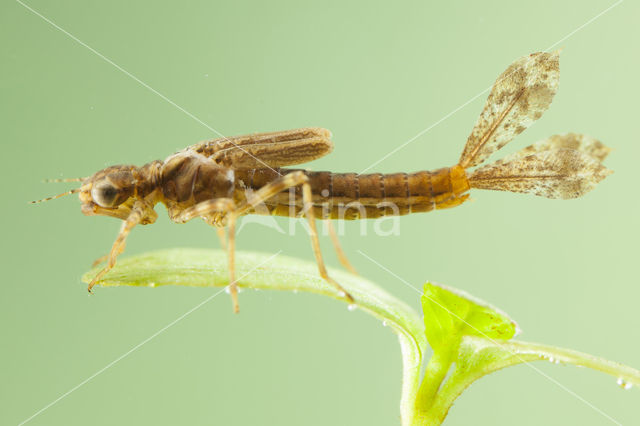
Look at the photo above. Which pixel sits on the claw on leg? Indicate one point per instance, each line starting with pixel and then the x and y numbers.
pixel 118 247
pixel 119 244
pixel 103 271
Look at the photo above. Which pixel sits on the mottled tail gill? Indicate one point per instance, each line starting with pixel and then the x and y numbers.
pixel 562 166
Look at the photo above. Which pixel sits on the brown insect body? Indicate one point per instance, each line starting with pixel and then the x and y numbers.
pixel 181 181
pixel 187 179
pixel 351 196
pixel 221 179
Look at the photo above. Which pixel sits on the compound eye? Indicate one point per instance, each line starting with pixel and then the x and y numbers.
pixel 104 194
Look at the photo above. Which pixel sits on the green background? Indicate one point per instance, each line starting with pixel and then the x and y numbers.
pixel 376 74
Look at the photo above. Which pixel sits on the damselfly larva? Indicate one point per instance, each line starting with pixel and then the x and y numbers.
pixel 221 179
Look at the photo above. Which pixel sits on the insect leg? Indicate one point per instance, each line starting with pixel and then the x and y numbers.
pixel 338 248
pixel 118 246
pixel 285 182
pixel 218 205
pixel 99 260
pixel 231 259
pixel 222 237
pixel 206 208
pixel 315 243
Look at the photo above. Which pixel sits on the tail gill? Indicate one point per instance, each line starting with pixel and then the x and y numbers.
pixel 562 166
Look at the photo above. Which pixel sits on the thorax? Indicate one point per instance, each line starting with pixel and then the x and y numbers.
pixel 188 178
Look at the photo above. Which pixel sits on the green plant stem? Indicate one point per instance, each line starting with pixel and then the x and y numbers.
pixel 435 373
pixel 411 369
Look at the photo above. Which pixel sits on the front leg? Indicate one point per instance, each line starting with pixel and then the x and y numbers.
pixel 135 217
pixel 208 208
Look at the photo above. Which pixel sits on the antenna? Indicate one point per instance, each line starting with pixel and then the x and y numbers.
pixel 64 180
pixel 73 191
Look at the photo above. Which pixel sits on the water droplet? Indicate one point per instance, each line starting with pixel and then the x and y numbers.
pixel 624 384
pixel 385 323
pixel 342 294
pixel 152 284
pixel 227 290
pixel 295 291
pixel 352 307
pixel 551 359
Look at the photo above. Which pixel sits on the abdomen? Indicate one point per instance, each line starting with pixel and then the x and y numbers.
pixel 352 196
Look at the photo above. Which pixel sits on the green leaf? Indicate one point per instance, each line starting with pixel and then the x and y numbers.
pixel 462 330
pixel 470 334
pixel 478 357
pixel 450 314
pixel 208 268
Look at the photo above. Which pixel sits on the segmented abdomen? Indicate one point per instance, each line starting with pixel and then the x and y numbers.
pixel 352 196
